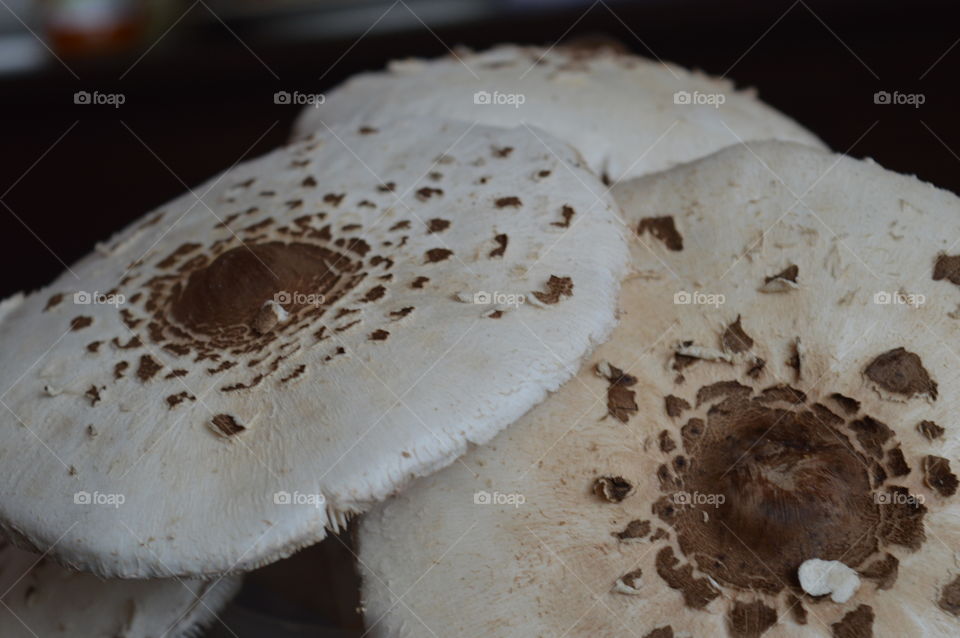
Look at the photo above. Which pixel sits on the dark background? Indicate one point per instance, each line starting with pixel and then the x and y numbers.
pixel 201 99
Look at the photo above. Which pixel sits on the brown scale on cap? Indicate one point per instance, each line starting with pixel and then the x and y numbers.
pixel 226 425
pixel 938 477
pixel 634 530
pixel 901 372
pixel 675 405
pixel 93 393
pixel 883 570
pixel 567 213
pixel 735 339
pixel 621 401
pixel 896 463
pixel 176 399
pixel 437 225
pixel 501 240
pixel 612 488
pixel 872 435
pixel 797 610
pixel 790 273
pixel 556 288
pixel 950 597
pixel 697 592
pixel 947 267
pixel 664 229
pixel 81 322
pixel 750 620
pixel 666 442
pixel 848 405
pixel 721 389
pixel 435 255
pixel 427 192
pixel 53 301
pixel 930 430
pixel 855 624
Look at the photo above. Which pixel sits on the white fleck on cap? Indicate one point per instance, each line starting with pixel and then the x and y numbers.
pixel 700 483
pixel 231 377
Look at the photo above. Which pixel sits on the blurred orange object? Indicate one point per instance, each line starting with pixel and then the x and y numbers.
pixel 94 27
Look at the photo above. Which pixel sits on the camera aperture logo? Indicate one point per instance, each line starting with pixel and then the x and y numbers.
pixel 884 298
pixel 497 498
pixel 98 498
pixel 96 298
pixel 299 498
pixel 496 298
pixel 297 98
pixel 292 297
pixel 97 98
pixel 916 100
pixel 699 99
pixel 516 100
pixel 698 298
pixel 898 498
pixel 698 498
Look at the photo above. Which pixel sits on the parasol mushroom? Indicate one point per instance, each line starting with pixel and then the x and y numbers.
pixel 256 361
pixel 738 460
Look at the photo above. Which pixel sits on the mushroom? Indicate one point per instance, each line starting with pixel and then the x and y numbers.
pixel 38 598
pixel 628 115
pixel 241 372
pixel 739 475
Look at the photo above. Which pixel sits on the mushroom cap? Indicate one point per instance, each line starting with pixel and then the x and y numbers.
pixel 42 599
pixel 628 115
pixel 193 428
pixel 701 482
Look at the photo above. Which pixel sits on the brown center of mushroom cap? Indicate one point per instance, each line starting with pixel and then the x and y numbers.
pixel 787 487
pixel 234 287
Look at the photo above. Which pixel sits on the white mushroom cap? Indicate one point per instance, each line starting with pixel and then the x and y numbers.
pixel 192 428
pixel 40 599
pixel 705 480
pixel 628 115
